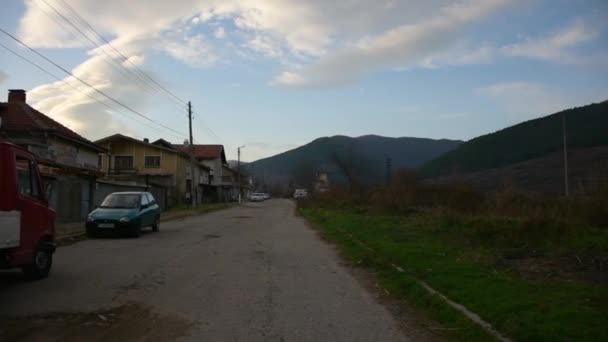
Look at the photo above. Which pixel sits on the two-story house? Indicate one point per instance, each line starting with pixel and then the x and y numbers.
pixel 159 166
pixel 214 157
pixel 68 161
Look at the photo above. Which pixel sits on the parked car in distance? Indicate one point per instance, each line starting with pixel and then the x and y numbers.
pixel 300 193
pixel 125 212
pixel 266 195
pixel 256 197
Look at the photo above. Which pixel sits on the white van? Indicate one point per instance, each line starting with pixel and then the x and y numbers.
pixel 300 193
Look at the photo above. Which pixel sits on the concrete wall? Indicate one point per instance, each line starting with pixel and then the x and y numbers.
pixel 71 197
pixel 68 153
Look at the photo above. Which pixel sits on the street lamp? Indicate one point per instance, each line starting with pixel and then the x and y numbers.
pixel 239 171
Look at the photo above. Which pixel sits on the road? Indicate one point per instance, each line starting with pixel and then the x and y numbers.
pixel 250 273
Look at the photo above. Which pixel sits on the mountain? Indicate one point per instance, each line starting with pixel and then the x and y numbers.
pixel 368 154
pixel 235 163
pixel 587 126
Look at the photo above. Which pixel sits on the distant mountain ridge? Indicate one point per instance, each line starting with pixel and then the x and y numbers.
pixel 404 152
pixel 586 126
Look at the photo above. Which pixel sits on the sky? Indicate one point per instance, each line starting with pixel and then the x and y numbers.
pixel 271 75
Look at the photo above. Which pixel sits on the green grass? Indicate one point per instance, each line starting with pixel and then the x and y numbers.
pixel 457 255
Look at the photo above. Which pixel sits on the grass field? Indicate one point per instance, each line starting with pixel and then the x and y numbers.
pixel 533 280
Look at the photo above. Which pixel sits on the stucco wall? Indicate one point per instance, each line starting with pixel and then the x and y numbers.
pixel 72 154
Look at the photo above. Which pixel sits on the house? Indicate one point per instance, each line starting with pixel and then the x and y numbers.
pixel 163 169
pixel 321 183
pixel 221 176
pixel 69 162
pixel 229 184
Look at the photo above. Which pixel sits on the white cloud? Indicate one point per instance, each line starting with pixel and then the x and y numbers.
pixel 3 76
pixel 317 42
pixel 397 47
pixel 558 46
pixel 265 45
pixel 194 51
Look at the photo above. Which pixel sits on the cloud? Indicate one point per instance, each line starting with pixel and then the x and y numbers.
pixel 402 46
pixel 557 46
pixel 193 50
pixel 316 42
pixel 3 76
pixel 220 33
pixel 265 45
pixel 527 100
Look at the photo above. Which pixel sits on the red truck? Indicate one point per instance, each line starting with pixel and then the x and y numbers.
pixel 27 223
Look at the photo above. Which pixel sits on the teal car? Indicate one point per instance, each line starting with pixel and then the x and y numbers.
pixel 125 212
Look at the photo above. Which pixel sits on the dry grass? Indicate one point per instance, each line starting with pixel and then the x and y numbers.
pixel 407 195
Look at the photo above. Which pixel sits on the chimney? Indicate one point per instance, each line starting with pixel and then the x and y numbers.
pixel 16 96
pixel 146 140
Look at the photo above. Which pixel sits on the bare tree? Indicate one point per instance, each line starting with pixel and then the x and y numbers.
pixel 303 174
pixel 351 164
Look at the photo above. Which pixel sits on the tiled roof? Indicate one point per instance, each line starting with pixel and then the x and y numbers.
pixel 204 151
pixel 22 117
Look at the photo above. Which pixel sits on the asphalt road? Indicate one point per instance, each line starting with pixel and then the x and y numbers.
pixel 250 273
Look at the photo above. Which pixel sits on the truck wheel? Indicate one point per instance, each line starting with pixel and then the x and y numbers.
pixel 156 224
pixel 41 265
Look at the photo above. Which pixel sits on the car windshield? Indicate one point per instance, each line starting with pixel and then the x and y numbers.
pixel 122 201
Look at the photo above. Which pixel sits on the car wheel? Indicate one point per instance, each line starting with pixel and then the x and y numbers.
pixel 156 225
pixel 91 232
pixel 40 266
pixel 136 231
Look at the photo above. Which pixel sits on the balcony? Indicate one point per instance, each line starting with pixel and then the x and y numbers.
pixel 123 171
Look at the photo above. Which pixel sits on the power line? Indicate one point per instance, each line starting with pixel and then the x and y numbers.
pixel 81 91
pixel 109 60
pixel 136 71
pixel 87 84
pixel 66 5
pixel 209 129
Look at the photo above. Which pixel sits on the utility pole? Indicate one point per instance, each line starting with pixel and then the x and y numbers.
pixel 566 182
pixel 239 170
pixel 389 166
pixel 191 157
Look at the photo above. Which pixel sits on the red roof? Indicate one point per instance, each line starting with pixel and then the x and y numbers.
pixel 204 151
pixel 22 117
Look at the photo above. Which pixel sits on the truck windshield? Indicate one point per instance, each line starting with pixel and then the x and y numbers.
pixel 121 201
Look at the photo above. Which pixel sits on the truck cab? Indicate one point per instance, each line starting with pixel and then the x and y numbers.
pixel 27 223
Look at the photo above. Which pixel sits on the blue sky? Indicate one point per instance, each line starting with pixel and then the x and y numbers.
pixel 276 74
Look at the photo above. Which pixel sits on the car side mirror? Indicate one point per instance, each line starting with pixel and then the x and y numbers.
pixel 143 206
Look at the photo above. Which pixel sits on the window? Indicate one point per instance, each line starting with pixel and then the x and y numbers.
pixel 123 162
pixel 27 177
pixel 122 201
pixel 144 200
pixel 152 161
pixel 151 198
pixel 99 159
